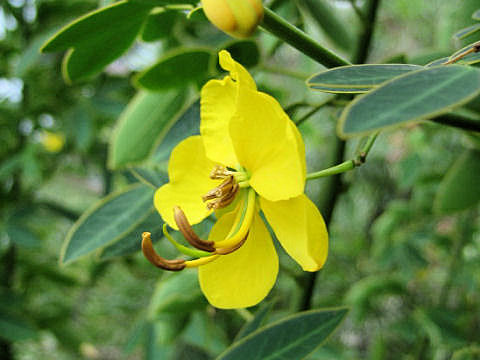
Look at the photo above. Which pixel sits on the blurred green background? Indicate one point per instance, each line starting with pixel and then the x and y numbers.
pixel 411 276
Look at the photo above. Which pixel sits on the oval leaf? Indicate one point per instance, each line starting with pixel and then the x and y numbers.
pixel 418 95
pixel 144 123
pixel 129 242
pixel 98 38
pixel 461 34
pixel 107 221
pixel 176 70
pixel 256 322
pixel 159 24
pixel 292 338
pixel 357 78
pixel 460 188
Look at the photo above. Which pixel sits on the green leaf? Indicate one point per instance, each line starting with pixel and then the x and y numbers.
pixel 15 328
pixel 21 235
pixel 326 16
pixel 256 322
pixel 459 188
pixel 177 293
pixel 292 338
pixel 187 125
pixel 98 38
pixel 159 25
pixel 462 34
pixel 177 69
pixel 476 15
pixel 130 242
pixel 154 175
pixel 418 95
pixel 142 125
pixel 246 52
pixel 107 221
pixel 357 78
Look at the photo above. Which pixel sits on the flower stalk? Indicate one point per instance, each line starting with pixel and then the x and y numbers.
pixel 298 39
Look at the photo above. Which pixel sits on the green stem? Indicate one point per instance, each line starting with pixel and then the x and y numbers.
pixel 183 249
pixel 313 111
pixel 337 169
pixel 299 40
pixel 349 164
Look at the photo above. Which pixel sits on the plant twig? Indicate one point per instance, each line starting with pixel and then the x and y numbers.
pixel 299 40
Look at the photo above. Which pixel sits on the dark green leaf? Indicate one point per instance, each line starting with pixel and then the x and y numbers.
pixel 246 52
pixel 176 70
pixel 460 188
pixel 415 96
pixel 21 235
pixel 467 31
pixel 15 328
pixel 110 219
pixel 154 175
pixel 187 125
pixel 130 242
pixel 357 78
pixel 159 25
pixel 142 125
pixel 256 322
pixel 98 38
pixel 292 338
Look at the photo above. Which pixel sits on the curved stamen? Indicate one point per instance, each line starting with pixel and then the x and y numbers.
pixel 187 231
pixel 183 249
pixel 226 251
pixel 246 222
pixel 201 261
pixel 157 260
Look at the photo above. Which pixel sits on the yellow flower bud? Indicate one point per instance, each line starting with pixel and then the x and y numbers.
pixel 238 18
pixel 52 142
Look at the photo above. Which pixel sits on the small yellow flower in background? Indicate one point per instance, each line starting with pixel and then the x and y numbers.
pixel 238 18
pixel 250 157
pixel 52 142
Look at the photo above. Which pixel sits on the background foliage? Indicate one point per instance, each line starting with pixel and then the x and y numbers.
pixel 405 231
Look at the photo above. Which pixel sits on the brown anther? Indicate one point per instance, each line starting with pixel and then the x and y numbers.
pixel 157 260
pixel 225 251
pixel 223 201
pixel 188 233
pixel 219 172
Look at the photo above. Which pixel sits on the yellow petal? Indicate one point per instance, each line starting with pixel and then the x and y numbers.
pixel 189 172
pixel 218 99
pixel 300 229
pixel 244 277
pixel 266 146
pixel 237 71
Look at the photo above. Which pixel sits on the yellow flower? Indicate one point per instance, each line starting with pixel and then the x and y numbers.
pixel 52 142
pixel 250 157
pixel 238 18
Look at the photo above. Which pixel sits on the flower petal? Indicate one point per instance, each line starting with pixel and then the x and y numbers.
pixel 189 172
pixel 300 229
pixel 244 277
pixel 267 146
pixel 218 99
pixel 237 71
